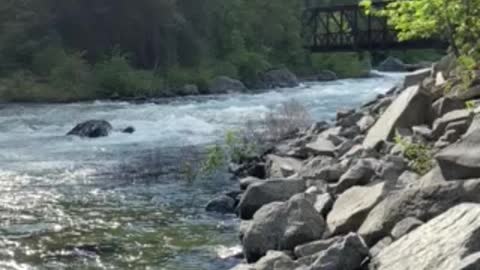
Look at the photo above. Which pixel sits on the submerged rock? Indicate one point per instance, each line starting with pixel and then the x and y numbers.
pixel 221 204
pixel 91 129
pixel 129 130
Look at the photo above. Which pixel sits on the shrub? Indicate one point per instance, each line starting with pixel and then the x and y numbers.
pixel 281 122
pixel 345 65
pixel 71 74
pixel 116 77
pixel 44 61
pixel 419 155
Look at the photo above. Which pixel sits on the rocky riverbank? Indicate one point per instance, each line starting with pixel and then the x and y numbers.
pixel 392 185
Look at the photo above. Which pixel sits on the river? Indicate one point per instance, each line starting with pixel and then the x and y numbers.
pixel 120 202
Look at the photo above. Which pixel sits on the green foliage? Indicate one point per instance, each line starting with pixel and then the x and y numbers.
pixel 345 65
pixel 116 77
pixel 419 155
pixel 455 20
pixel 470 106
pixel 238 148
pixel 215 159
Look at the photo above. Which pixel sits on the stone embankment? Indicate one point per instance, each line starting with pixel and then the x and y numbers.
pixel 392 185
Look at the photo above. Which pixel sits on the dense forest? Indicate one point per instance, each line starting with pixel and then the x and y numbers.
pixel 64 50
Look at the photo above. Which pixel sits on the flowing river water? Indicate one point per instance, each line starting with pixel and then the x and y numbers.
pixel 120 202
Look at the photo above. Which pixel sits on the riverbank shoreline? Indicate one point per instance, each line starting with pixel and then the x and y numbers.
pixel 362 194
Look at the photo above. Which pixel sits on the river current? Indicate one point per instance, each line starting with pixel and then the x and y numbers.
pixel 119 202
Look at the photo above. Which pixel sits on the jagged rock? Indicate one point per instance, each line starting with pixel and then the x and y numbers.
pixel 221 204
pixel 352 207
pixel 445 105
pixel 474 126
pixel 317 128
pixel 224 84
pixel 460 127
pixel 325 168
pixel 422 203
pixel 326 75
pixel 282 226
pixel 259 194
pixel 440 125
pixel 359 174
pixel 449 137
pixel 392 168
pixel 278 78
pixel 417 77
pixel 366 122
pixel 269 261
pixel 345 120
pixel 343 148
pixel 321 146
pixel 381 245
pixel 449 241
pixel 382 105
pixel 407 179
pixel 405 226
pixel 315 247
pixel 347 254
pixel 359 139
pixel 282 167
pixel 335 139
pixel 461 160
pixel 411 108
pixel 392 64
pixel 323 204
pixel 91 129
pixel 350 132
pixel 247 181
pixel 422 131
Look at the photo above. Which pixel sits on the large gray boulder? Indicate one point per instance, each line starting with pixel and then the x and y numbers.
pixel 447 242
pixel 91 129
pixel 278 78
pixel 412 107
pixel 422 203
pixel 352 207
pixel 262 193
pixel 224 84
pixel 321 167
pixel 440 124
pixel 273 258
pixel 445 105
pixel 346 254
pixel 282 226
pixel 461 160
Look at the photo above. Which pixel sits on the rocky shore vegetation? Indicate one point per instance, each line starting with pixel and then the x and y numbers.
pixel 391 185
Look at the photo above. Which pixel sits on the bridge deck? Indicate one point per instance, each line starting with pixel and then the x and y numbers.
pixel 348 28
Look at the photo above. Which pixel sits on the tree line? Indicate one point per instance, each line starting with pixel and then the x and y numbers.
pixel 64 50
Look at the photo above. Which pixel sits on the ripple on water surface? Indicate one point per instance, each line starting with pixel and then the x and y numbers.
pixel 119 202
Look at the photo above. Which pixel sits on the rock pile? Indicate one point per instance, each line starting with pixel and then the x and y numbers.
pixel 351 196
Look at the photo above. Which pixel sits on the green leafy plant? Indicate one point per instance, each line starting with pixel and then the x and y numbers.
pixel 419 155
pixel 470 106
